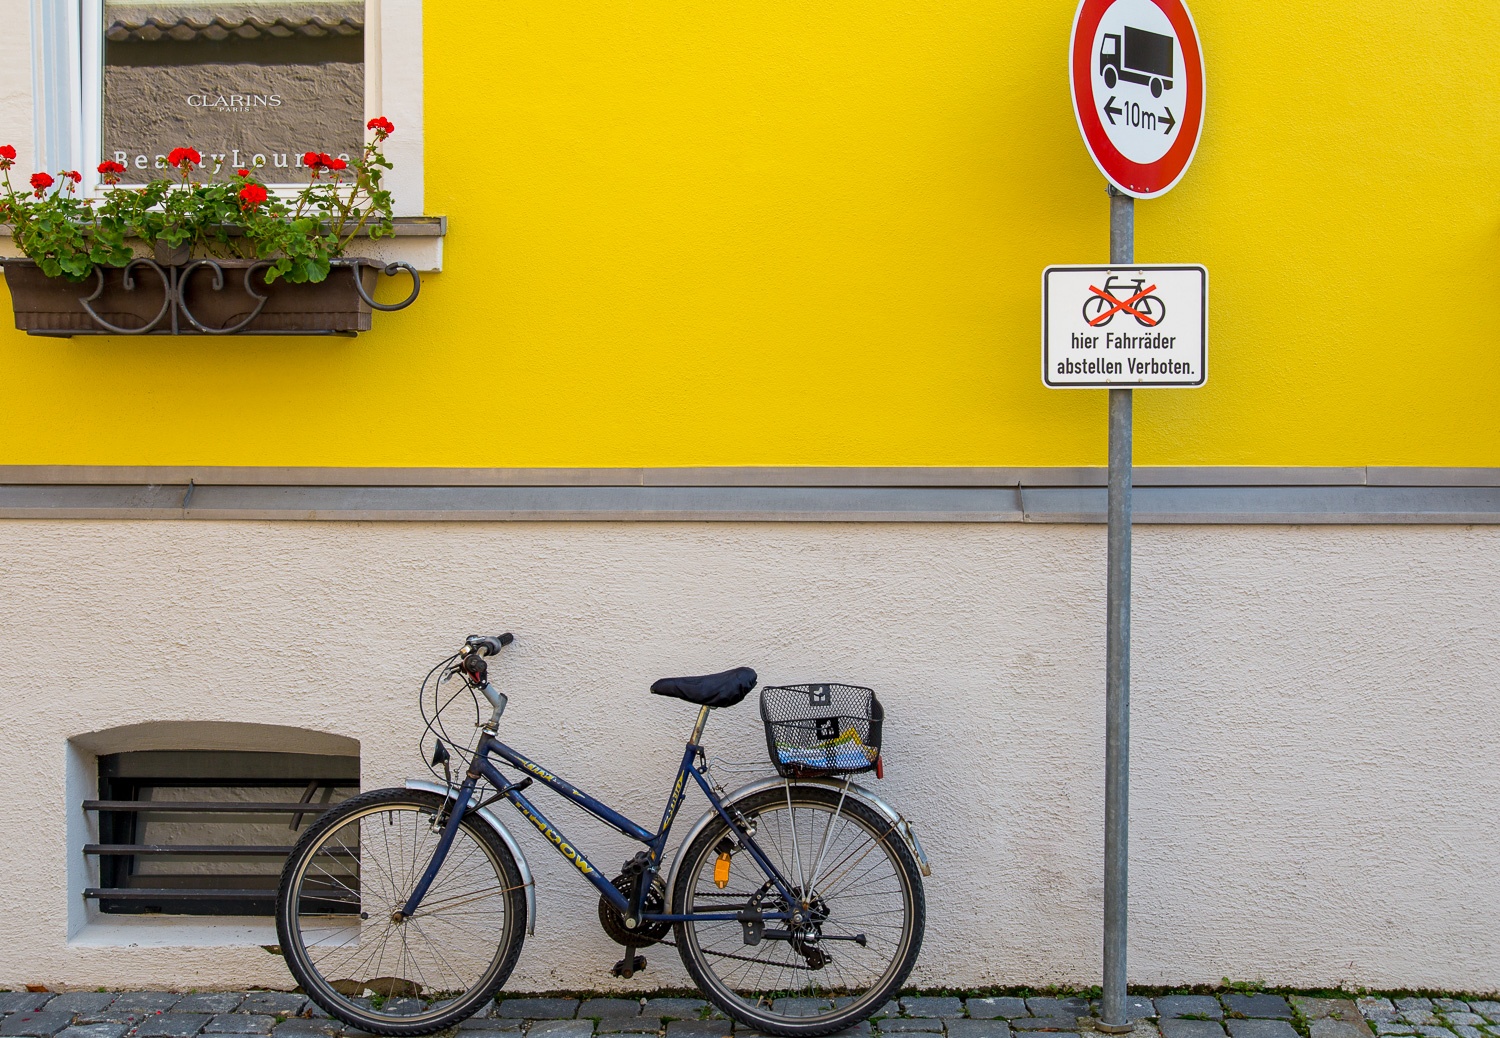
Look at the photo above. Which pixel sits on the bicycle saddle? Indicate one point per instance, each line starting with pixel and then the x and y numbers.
pixel 716 690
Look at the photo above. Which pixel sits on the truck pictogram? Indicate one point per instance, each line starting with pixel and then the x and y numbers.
pixel 1146 58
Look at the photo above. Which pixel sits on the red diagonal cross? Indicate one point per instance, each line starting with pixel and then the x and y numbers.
pixel 1121 306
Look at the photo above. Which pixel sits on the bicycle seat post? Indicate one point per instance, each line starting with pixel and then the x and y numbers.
pixel 697 735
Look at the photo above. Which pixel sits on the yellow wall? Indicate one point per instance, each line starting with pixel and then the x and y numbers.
pixel 732 232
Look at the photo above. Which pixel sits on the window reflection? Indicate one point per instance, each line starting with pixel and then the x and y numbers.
pixel 245 83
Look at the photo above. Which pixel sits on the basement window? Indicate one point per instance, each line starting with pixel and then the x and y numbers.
pixel 205 833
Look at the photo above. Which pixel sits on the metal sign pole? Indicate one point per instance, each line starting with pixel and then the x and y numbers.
pixel 1111 45
pixel 1113 1017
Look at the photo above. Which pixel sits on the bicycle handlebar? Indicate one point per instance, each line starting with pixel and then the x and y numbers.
pixel 489 644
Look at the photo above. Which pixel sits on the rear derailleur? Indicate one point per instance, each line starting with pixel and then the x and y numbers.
pixel 804 925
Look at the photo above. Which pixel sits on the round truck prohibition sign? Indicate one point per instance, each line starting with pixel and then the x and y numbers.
pixel 1136 71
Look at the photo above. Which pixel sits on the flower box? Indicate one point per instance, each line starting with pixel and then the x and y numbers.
pixel 203 297
pixel 278 269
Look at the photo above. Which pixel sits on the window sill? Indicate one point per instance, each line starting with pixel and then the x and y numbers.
pixel 174 931
pixel 418 240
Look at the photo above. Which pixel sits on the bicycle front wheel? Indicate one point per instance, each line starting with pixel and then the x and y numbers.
pixel 349 874
pixel 856 887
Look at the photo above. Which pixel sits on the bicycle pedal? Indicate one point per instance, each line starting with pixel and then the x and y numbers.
pixel 628 966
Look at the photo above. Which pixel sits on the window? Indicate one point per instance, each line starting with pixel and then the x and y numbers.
pixel 252 83
pixel 235 79
pixel 197 832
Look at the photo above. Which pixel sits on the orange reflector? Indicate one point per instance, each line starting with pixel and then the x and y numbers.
pixel 721 872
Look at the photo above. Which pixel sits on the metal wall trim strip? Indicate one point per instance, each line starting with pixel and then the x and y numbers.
pixel 1281 504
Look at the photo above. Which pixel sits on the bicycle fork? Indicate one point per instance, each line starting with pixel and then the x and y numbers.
pixel 445 843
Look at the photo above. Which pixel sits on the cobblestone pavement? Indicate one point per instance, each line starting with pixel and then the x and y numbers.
pixel 1432 1017
pixel 278 1014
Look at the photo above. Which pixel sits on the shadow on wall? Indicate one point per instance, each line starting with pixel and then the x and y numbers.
pixel 197 870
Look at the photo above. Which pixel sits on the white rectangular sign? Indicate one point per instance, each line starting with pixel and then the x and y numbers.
pixel 1125 326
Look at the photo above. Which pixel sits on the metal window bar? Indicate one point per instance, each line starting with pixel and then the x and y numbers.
pixel 156 807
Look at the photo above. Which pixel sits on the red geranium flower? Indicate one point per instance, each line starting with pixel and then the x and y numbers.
pixel 252 195
pixel 111 171
pixel 7 156
pixel 319 160
pixel 184 158
pixel 75 176
pixel 242 172
pixel 40 182
pixel 382 127
pixel 337 164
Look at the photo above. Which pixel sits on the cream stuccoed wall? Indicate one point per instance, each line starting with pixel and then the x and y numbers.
pixel 1313 732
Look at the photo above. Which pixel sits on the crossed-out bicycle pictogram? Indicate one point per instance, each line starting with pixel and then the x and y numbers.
pixel 1100 308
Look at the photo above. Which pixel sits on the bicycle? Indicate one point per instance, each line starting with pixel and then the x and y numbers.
pixel 1149 310
pixel 796 902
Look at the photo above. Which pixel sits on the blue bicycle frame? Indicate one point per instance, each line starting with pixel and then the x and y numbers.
pixel 656 842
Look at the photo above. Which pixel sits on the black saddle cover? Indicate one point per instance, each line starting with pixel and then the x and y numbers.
pixel 714 690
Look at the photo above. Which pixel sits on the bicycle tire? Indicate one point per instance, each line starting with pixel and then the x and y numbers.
pixel 828 1002
pixel 319 894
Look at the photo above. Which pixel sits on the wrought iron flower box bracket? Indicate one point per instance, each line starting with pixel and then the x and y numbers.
pixel 201 297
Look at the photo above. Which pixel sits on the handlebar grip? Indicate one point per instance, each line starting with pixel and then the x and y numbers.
pixel 488 645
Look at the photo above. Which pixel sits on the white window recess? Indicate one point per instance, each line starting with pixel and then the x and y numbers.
pixel 176 829
pixel 66 64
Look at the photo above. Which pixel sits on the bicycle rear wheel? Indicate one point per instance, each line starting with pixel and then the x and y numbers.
pixel 865 912
pixel 353 869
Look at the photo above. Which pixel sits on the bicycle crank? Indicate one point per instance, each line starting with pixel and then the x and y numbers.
pixel 644 934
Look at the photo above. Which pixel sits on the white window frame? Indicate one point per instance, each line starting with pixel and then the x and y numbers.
pixel 67 90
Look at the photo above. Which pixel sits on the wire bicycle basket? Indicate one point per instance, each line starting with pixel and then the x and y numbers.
pixel 821 729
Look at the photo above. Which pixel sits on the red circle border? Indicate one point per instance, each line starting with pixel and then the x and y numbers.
pixel 1140 179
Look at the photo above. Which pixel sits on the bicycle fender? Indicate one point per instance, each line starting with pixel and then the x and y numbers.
pixel 490 819
pixel 858 792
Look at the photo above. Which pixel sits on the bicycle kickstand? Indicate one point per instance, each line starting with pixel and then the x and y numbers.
pixel 630 963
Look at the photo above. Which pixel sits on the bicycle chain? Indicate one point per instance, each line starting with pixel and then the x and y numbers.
pixel 741 958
